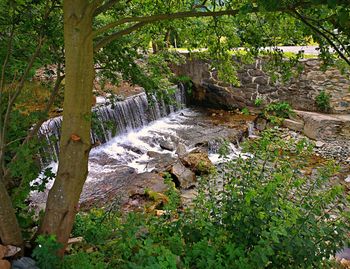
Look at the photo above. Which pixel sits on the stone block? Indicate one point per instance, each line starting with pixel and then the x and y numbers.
pixel 293 125
pixel 256 72
pixel 325 126
pixel 261 80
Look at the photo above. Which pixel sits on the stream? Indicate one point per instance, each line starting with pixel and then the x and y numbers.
pixel 150 139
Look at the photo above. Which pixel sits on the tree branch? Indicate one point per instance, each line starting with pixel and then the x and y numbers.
pixel 317 31
pixel 162 17
pixel 104 41
pixel 8 53
pixel 105 7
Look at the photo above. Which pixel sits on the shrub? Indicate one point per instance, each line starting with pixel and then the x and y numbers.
pixel 323 101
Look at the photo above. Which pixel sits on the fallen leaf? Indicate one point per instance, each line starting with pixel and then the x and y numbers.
pixel 75 137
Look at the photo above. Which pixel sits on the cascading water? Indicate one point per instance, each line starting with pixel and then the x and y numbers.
pixel 143 143
pixel 113 119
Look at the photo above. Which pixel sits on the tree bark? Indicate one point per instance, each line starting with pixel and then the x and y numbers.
pixel 75 142
pixel 10 232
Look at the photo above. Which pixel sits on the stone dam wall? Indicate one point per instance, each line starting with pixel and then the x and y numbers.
pixel 300 92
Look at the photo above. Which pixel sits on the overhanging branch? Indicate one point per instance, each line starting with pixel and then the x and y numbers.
pixel 163 17
pixel 105 7
pixel 103 42
pixel 322 34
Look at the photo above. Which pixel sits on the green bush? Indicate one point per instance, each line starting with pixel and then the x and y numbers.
pixel 259 212
pixel 323 101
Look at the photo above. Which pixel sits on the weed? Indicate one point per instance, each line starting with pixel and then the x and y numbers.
pixel 323 101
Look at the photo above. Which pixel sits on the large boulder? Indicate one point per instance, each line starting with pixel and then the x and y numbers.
pixel 293 125
pixel 160 161
pixel 184 176
pixel 198 162
pixel 139 183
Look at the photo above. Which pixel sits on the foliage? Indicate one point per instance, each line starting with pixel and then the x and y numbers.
pixel 45 252
pixel 280 68
pixel 258 102
pixel 245 111
pixel 323 101
pixel 276 112
pixel 185 80
pixel 83 260
pixel 94 227
pixel 260 212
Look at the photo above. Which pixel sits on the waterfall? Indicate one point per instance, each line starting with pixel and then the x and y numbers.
pixel 113 119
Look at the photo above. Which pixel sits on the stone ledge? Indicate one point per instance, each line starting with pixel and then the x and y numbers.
pixel 325 126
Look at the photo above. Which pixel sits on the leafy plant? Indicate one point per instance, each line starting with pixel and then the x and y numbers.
pixel 186 80
pixel 84 260
pixel 245 111
pixel 276 112
pixel 46 252
pixel 258 102
pixel 95 227
pixel 323 101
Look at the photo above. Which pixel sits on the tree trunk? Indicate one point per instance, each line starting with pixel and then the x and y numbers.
pixel 10 232
pixel 75 142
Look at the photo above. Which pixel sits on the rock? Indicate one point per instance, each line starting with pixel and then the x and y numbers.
pixel 319 144
pixel 293 125
pixel 167 145
pixel 160 161
pixel 185 177
pixel 109 187
pixel 255 72
pixel 149 180
pixel 260 124
pixel 343 254
pixel 187 196
pixel 198 162
pixel 75 240
pixel 181 149
pixel 12 250
pixel 24 263
pixel 347 179
pixel 160 212
pixel 345 263
pixel 325 126
pixel 3 251
pixel 261 80
pixel 4 264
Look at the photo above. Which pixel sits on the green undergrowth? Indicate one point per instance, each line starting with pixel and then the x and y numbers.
pixel 278 111
pixel 256 212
